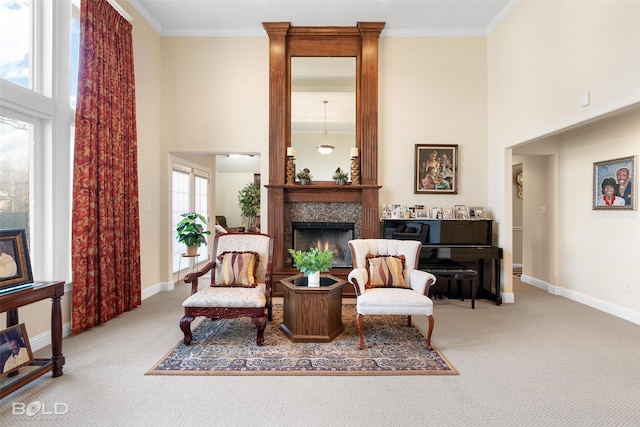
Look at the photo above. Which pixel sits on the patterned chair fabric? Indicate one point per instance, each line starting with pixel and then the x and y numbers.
pixel 390 300
pixel 225 302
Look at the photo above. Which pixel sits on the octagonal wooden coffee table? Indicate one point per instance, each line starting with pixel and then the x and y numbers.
pixel 312 314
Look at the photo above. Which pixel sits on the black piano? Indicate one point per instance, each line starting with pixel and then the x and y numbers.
pixel 467 242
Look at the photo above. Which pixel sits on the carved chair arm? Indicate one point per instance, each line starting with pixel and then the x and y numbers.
pixel 193 277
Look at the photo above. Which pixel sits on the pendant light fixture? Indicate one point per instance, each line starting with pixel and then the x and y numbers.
pixel 325 148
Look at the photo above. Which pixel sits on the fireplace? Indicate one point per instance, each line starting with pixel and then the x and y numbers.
pixel 333 236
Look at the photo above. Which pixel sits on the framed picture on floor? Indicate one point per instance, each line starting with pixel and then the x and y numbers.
pixel 435 169
pixel 15 265
pixel 15 350
pixel 614 184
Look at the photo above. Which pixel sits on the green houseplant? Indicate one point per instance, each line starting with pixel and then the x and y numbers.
pixel 191 231
pixel 312 262
pixel 249 199
pixel 340 177
pixel 304 176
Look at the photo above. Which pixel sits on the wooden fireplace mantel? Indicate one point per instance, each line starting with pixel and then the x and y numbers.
pixel 286 41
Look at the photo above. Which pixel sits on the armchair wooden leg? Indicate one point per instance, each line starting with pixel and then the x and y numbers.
pixel 185 325
pixel 261 324
pixel 430 331
pixel 409 320
pixel 360 316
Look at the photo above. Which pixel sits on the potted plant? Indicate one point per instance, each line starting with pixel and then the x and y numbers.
pixel 312 262
pixel 249 199
pixel 191 231
pixel 340 177
pixel 304 176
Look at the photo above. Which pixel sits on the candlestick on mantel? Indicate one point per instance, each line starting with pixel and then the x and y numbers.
pixel 291 152
pixel 354 152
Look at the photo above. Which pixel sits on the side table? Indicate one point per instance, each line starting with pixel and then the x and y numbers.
pixel 10 303
pixel 312 314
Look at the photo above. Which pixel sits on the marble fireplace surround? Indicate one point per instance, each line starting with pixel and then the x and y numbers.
pixel 319 212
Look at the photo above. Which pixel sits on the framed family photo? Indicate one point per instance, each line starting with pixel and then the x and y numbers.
pixel 15 265
pixel 15 350
pixel 614 184
pixel 436 169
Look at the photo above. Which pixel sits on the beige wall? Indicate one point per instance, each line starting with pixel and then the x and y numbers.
pixel 541 60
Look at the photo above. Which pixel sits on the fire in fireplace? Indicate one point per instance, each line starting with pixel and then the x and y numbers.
pixel 333 236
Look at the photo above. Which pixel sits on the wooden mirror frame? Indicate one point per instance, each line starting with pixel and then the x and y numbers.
pixel 286 41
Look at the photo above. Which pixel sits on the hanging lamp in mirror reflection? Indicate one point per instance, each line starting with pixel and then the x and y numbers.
pixel 325 148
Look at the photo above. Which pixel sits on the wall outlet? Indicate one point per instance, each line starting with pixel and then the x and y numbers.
pixel 627 286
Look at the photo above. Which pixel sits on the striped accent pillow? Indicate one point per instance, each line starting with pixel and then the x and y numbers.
pixel 386 271
pixel 237 269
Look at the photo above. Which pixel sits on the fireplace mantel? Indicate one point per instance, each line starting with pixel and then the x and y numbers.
pixel 286 41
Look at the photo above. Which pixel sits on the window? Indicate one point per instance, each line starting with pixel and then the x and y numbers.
pixel 16 35
pixel 36 144
pixel 190 193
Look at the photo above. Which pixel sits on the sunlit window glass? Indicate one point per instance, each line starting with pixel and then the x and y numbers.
pixel 14 175
pixel 75 46
pixel 15 41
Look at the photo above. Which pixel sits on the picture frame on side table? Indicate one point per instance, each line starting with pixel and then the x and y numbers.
pixel 447 213
pixel 615 184
pixel 436 212
pixel 15 350
pixel 15 264
pixel 478 213
pixel 423 214
pixel 435 169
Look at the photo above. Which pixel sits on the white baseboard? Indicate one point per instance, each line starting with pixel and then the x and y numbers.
pixel 598 304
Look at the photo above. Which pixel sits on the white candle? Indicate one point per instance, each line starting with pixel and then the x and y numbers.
pixel 354 152
pixel 291 152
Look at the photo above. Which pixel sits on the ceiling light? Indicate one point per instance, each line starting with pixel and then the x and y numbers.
pixel 325 148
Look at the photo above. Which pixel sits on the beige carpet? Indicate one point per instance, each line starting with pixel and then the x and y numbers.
pixel 227 347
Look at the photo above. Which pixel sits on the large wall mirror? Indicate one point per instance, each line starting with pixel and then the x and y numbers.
pixel 323 111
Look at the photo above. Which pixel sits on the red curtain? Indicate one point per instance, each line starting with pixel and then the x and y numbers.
pixel 105 223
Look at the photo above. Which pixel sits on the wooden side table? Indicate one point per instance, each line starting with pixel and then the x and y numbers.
pixel 312 314
pixel 10 303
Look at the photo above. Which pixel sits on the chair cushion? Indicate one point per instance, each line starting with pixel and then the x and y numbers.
pixel 386 271
pixel 394 301
pixel 237 269
pixel 227 296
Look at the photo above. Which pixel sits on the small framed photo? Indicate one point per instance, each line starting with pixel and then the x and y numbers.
pixel 436 212
pixel 479 213
pixel 423 214
pixel 435 169
pixel 614 184
pixel 15 350
pixel 461 214
pixel 15 265
pixel 447 213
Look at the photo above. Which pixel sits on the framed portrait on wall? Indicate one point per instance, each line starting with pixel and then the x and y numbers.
pixel 614 184
pixel 436 169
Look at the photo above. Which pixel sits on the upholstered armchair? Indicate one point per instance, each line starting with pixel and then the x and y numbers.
pixel 221 220
pixel 387 281
pixel 239 285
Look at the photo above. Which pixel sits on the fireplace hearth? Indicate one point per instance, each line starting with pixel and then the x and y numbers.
pixel 333 236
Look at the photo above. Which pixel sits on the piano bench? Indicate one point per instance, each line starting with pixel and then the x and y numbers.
pixel 449 269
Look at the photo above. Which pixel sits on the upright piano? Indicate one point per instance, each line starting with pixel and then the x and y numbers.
pixel 468 242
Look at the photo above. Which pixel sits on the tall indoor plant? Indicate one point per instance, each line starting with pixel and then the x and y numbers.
pixel 312 262
pixel 191 231
pixel 249 199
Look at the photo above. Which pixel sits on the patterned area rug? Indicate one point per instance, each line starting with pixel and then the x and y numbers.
pixel 228 347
